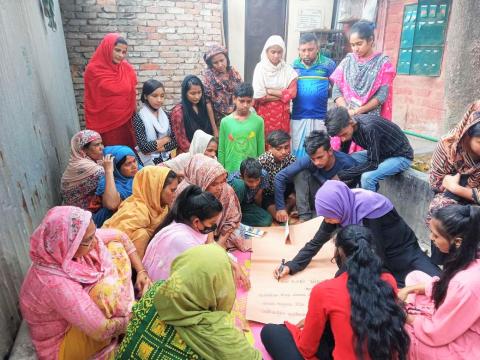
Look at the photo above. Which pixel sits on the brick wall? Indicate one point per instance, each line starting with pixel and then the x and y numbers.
pixel 166 39
pixel 418 101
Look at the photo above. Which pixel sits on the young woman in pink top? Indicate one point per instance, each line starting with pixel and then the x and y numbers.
pixel 444 313
pixel 191 222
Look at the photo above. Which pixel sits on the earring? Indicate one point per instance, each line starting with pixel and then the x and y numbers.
pixel 458 242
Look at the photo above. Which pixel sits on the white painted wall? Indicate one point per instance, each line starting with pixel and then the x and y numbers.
pixel 236 34
pixel 305 15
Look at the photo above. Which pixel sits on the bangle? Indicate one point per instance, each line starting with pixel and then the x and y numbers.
pixel 141 271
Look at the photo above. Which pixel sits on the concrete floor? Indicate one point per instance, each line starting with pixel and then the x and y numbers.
pixel 421 146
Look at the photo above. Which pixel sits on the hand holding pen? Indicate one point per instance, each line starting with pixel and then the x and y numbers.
pixel 283 270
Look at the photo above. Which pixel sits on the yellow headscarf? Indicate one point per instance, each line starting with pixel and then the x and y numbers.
pixel 141 213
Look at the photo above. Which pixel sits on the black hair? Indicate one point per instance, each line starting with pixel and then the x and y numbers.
pixel 474 131
pixel 243 90
pixel 121 162
pixel 251 168
pixel 364 29
pixel 149 87
pixel 172 175
pixel 213 140
pixel 209 61
pixel 462 222
pixel 307 38
pixel 277 138
pixel 377 319
pixel 316 140
pixel 336 119
pixel 192 201
pixel 191 120
pixel 120 40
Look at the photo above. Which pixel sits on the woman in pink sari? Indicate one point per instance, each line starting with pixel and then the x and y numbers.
pixel 363 80
pixel 191 222
pixel 77 295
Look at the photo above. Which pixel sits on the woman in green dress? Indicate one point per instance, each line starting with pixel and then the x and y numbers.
pixel 188 315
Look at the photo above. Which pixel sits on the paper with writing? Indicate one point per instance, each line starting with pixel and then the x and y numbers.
pixel 272 301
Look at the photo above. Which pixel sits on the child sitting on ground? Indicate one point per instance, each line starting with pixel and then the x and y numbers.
pixel 276 158
pixel 241 132
pixel 249 184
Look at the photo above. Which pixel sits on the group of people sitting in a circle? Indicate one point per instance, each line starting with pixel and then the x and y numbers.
pixel 136 264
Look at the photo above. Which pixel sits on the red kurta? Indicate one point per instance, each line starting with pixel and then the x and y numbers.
pixel 329 300
pixel 178 128
pixel 276 114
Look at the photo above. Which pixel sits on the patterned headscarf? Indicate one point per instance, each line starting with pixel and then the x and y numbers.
pixel 451 156
pixel 360 79
pixel 202 171
pixel 220 87
pixel 55 241
pixel 80 166
pixel 215 50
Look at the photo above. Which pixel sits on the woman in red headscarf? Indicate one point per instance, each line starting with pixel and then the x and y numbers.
pixel 110 95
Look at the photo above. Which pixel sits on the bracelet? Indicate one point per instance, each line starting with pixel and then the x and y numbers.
pixel 141 271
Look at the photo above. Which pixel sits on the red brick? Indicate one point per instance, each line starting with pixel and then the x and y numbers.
pixel 149 67
pixel 152 52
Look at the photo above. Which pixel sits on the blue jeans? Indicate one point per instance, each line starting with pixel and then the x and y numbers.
pixel 391 166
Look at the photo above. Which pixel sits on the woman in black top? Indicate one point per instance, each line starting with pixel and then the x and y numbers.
pixel 153 131
pixel 396 242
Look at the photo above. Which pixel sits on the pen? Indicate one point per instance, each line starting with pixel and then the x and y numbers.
pixel 280 269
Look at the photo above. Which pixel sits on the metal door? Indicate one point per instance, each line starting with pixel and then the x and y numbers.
pixel 263 18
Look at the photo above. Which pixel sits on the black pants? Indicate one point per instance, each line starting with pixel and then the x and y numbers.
pixel 280 344
pixel 413 258
pixel 397 245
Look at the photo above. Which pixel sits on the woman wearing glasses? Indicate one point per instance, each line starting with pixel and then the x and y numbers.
pixel 77 296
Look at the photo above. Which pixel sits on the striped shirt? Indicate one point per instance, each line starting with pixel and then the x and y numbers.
pixel 382 139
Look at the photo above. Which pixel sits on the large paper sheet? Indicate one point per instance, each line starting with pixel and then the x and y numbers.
pixel 272 301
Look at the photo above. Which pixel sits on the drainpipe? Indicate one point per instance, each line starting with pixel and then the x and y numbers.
pixel 421 136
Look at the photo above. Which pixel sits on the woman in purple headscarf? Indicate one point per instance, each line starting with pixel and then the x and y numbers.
pixel 396 242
